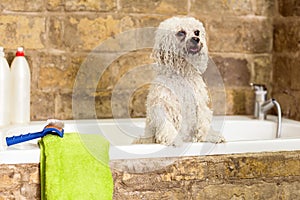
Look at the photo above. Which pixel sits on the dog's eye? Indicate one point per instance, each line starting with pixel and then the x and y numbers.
pixel 197 32
pixel 181 33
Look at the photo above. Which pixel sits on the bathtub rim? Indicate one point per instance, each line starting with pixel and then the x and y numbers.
pixel 12 156
pixel 33 155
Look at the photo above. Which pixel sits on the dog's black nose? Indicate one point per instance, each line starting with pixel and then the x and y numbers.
pixel 195 40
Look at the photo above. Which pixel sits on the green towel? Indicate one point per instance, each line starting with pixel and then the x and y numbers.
pixel 72 169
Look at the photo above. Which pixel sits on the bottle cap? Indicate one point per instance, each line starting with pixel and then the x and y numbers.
pixel 20 51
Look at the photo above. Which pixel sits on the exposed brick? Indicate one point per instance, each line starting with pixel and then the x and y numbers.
pixel 287 36
pixel 158 6
pixel 289 7
pixel 175 193
pixel 27 31
pixel 234 71
pixel 289 190
pixel 103 105
pixel 127 71
pixel 10 178
pixel 42 105
pixel 239 101
pixel 217 100
pixel 262 66
pixel 55 5
pixel 289 101
pixel 56 72
pixel 286 43
pixel 120 103
pixel 83 105
pixel 63 106
pixel 250 176
pixel 90 5
pixel 55 36
pixel 138 102
pixel 54 60
pixel 232 191
pixel 30 191
pixel 230 34
pixel 282 72
pixel 200 8
pixel 28 6
pixel 100 29
pixel 253 167
pixel 265 7
pixel 76 5
pixel 14 184
pixel 82 32
pixel 106 33
pixel 294 61
pixel 221 7
pixel 150 21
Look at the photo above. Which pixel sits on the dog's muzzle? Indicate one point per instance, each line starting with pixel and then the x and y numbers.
pixel 194 45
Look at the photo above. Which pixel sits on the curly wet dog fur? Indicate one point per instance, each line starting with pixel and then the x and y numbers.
pixel 178 101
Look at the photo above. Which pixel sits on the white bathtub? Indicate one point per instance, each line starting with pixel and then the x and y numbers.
pixel 242 133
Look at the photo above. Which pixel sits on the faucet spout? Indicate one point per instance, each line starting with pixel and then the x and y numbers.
pixel 262 106
pixel 278 132
pixel 267 105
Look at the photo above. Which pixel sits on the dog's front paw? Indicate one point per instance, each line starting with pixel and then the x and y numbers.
pixel 168 135
pixel 214 137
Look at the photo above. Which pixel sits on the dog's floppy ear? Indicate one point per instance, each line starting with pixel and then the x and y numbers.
pixel 164 49
pixel 159 54
pixel 156 54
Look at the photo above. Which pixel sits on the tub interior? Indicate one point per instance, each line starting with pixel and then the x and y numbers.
pixel 122 132
pixel 242 134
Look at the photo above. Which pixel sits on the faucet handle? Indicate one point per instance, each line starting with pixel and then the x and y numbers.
pixel 258 87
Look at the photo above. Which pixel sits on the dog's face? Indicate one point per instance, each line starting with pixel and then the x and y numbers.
pixel 190 40
pixel 181 37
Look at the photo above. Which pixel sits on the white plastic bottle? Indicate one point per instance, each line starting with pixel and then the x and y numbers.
pixel 20 88
pixel 4 90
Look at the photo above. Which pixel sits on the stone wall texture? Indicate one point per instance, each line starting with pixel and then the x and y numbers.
pixel 246 176
pixel 286 57
pixel 243 176
pixel 249 40
pixel 19 182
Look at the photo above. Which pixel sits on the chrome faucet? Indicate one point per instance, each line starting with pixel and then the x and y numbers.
pixel 262 105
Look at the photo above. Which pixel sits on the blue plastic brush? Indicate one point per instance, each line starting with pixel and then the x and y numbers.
pixel 54 126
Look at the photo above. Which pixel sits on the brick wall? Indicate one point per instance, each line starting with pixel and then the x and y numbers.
pixel 59 35
pixel 286 57
pixel 19 182
pixel 246 176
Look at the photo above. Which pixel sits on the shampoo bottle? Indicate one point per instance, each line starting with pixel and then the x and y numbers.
pixel 20 88
pixel 5 82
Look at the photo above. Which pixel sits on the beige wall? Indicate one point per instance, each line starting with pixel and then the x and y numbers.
pixel 58 36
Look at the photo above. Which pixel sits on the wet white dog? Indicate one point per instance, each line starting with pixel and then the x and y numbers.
pixel 178 101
